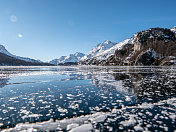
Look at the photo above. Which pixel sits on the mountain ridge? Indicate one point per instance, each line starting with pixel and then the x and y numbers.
pixel 5 51
pixel 8 59
pixel 155 46
pixel 150 44
pixel 70 59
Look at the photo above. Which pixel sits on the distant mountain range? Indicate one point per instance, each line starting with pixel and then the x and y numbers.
pixel 155 46
pixel 70 59
pixel 6 59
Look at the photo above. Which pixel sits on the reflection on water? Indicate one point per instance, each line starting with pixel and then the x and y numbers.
pixel 149 85
pixel 3 82
pixel 33 94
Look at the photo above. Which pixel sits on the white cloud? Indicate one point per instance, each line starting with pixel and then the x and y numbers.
pixel 20 35
pixel 13 18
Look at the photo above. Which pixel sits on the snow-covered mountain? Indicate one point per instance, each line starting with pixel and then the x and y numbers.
pixel 155 46
pixel 72 58
pixel 107 53
pixel 4 51
pixel 98 50
pixel 106 49
pixel 149 47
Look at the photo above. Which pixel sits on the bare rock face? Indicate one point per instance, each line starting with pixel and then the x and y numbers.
pixel 137 45
pixel 148 57
pixel 153 37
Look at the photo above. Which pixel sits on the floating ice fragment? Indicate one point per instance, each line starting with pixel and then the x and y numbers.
pixel 99 118
pixel 130 122
pixel 146 105
pixel 32 115
pixel 138 128
pixel 127 98
pixel 61 96
pixel 70 95
pixel 83 128
pixel 71 126
pixel 1 124
pixel 149 113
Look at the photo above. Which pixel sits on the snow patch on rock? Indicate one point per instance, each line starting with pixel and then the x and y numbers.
pixel 173 29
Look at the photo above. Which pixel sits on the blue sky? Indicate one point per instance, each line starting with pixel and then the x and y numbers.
pixel 48 29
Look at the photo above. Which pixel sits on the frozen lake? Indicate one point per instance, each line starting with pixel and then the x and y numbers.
pixel 88 98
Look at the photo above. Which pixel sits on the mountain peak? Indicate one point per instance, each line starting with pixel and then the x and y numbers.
pixel 78 54
pixel 107 42
pixel 98 50
pixel 1 46
pixel 4 51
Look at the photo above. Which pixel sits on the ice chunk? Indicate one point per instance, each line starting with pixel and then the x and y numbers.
pixel 83 128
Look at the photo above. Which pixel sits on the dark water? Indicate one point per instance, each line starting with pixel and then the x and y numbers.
pixel 35 94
